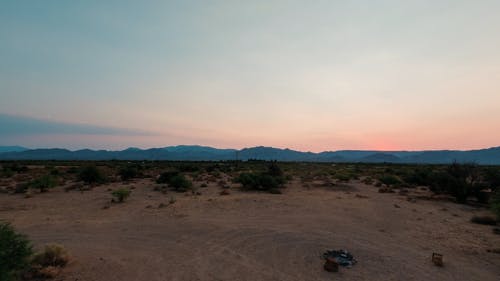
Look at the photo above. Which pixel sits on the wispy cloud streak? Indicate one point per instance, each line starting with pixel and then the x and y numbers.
pixel 11 125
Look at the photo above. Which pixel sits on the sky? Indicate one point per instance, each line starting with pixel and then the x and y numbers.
pixel 306 75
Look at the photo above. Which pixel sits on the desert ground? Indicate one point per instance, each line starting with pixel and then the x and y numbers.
pixel 250 235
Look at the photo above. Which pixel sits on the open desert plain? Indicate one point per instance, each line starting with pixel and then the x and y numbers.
pixel 283 140
pixel 218 230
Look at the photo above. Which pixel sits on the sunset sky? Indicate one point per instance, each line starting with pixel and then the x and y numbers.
pixel 306 75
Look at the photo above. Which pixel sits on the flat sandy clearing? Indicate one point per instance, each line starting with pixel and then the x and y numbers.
pixel 255 236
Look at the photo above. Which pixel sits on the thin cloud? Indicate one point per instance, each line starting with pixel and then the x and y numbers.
pixel 11 125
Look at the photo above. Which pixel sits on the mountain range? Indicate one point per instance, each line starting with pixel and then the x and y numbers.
pixel 489 156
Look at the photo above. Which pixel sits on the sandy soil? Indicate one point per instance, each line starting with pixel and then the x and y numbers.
pixel 255 236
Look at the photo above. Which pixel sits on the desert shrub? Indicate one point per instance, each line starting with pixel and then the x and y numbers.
pixel 459 189
pixel 458 180
pixel 121 194
pixel 389 170
pixel 48 272
pixel 72 170
pixel 43 183
pixel 128 172
pixel 21 187
pixel 368 180
pixel 274 170
pixel 389 180
pixel 15 251
pixel 248 180
pixel 215 174
pixel 52 255
pixel 342 176
pixel 165 177
pixel 188 168
pixel 486 220
pixel 176 180
pixel 439 181
pixel 222 183
pixel 180 183
pixel 91 175
pixel 269 182
pixel 54 171
pixel 211 168
pixel 15 167
pixel 6 173
pixel 495 204
pixel 492 177
pixel 419 176
pixel 462 181
pixel 256 181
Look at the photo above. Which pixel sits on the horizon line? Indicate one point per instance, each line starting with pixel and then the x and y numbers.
pixel 239 149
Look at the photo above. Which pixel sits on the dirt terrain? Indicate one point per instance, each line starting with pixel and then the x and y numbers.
pixel 255 236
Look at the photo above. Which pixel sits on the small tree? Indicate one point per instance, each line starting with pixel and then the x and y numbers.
pixel 121 194
pixel 15 251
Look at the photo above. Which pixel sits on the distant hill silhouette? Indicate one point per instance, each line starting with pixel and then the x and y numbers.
pixel 12 149
pixel 490 156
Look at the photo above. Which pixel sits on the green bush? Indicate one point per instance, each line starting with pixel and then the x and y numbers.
pixel 15 252
pixel 248 180
pixel 43 183
pixel 419 176
pixel 274 170
pixel 439 181
pixel 255 181
pixel 175 180
pixel 180 183
pixel 121 194
pixel 128 172
pixel 165 177
pixel 342 177
pixel 270 180
pixel 389 180
pixel 91 175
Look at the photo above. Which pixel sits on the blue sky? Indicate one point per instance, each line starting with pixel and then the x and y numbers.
pixel 314 76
